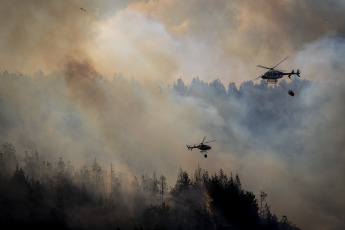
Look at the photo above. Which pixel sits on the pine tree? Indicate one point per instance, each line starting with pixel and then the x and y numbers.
pixel 183 182
pixel 238 183
pixel 154 183
pixel 223 179
pixel 198 179
pixel 19 177
pixel 163 186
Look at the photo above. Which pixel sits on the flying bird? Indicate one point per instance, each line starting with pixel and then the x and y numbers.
pixel 82 9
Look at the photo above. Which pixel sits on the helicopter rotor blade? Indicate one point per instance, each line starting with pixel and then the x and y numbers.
pixel 210 141
pixel 258 77
pixel 264 67
pixel 203 140
pixel 280 62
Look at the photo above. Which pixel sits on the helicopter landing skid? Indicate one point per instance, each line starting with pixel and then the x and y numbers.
pixel 272 81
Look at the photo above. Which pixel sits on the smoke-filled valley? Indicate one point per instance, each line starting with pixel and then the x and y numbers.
pixel 99 98
pixel 84 149
pixel 59 197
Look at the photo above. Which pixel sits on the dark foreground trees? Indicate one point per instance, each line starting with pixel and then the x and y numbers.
pixel 45 195
pixel 214 202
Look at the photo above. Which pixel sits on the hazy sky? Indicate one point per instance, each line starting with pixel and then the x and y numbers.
pixel 152 43
pixel 164 39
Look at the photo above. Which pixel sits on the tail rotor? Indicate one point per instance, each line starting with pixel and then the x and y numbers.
pixel 298 73
pixel 293 72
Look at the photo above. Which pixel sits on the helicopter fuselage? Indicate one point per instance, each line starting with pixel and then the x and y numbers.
pixel 202 147
pixel 273 74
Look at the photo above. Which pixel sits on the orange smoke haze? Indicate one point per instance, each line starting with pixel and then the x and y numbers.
pixel 104 90
pixel 163 39
pixel 83 85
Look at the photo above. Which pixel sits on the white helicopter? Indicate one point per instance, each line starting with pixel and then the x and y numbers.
pixel 272 75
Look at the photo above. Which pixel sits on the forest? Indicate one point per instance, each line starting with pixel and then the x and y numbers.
pixel 41 194
pixel 72 155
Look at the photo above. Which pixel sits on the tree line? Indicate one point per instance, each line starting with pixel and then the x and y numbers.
pixel 40 194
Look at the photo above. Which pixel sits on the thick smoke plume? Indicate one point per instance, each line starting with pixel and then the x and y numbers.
pixel 164 39
pixel 81 80
pixel 277 143
pixel 65 92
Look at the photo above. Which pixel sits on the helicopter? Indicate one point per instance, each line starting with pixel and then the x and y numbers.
pixel 203 148
pixel 272 75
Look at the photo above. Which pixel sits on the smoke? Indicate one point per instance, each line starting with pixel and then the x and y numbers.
pixel 290 147
pixel 263 32
pixel 163 39
pixel 80 80
pixel 83 106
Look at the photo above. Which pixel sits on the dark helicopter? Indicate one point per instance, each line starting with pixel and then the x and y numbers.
pixel 272 75
pixel 203 148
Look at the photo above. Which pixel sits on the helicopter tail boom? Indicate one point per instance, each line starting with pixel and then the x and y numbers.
pixel 190 147
pixel 293 72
